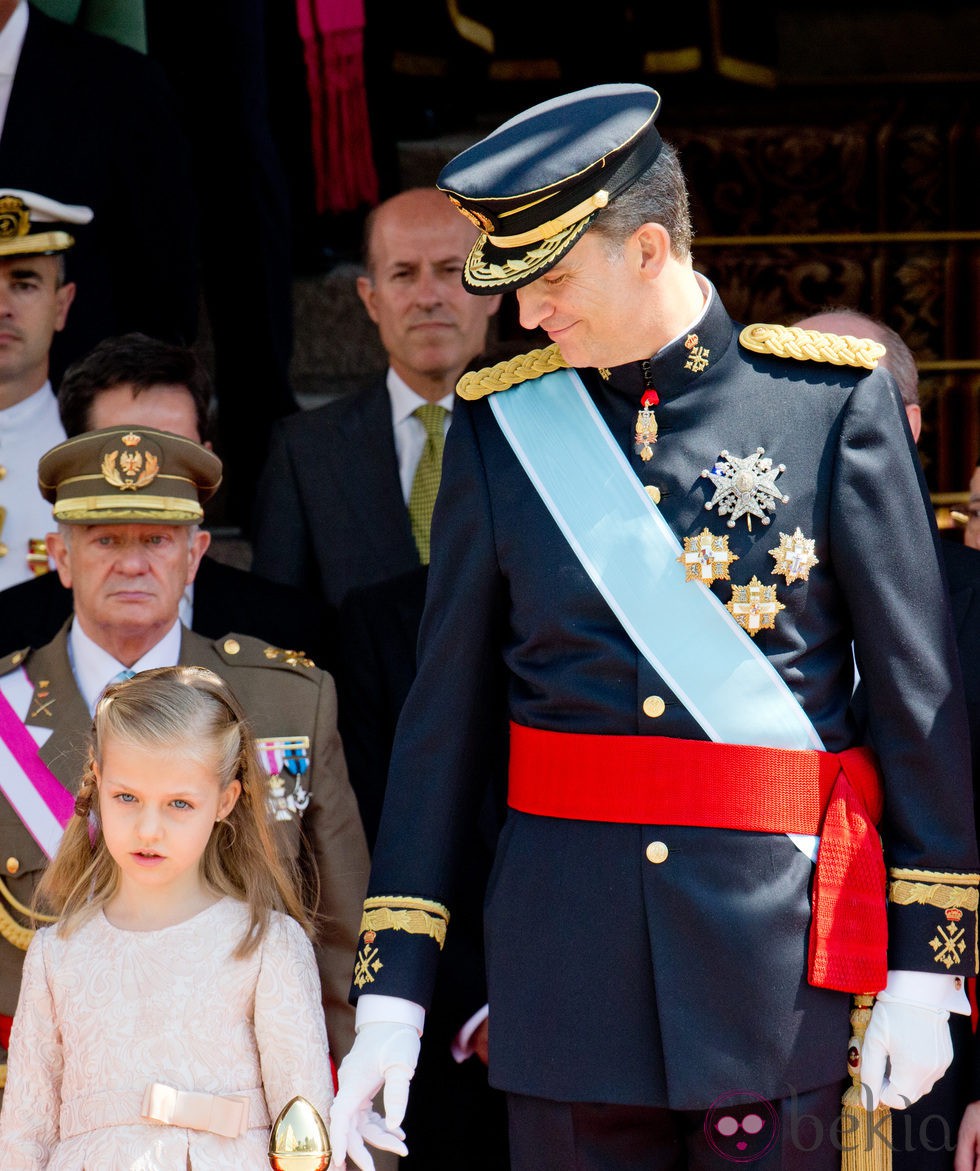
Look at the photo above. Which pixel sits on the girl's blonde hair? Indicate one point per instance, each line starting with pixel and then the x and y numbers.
pixel 175 710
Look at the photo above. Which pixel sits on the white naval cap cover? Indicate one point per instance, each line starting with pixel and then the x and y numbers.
pixel 31 224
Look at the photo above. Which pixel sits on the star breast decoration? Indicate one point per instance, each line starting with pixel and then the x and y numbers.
pixel 754 606
pixel 794 556
pixel 744 487
pixel 706 557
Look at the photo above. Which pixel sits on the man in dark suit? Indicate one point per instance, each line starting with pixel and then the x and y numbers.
pixel 925 1134
pixel 135 379
pixel 332 506
pixel 92 122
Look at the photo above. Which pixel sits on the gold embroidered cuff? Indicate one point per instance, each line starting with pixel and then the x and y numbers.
pixel 395 913
pixel 957 897
pixel 416 916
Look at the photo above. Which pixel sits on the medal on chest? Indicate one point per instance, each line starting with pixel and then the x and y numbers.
pixel 706 557
pixel 794 556
pixel 744 487
pixel 645 428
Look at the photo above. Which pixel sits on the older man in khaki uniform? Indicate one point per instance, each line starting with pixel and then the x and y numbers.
pixel 128 502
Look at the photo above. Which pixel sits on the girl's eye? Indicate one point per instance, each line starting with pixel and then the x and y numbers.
pixel 180 803
pixel 126 798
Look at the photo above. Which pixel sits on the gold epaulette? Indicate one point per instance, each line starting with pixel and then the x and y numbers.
pixel 810 345
pixel 479 383
pixel 12 931
pixel 252 652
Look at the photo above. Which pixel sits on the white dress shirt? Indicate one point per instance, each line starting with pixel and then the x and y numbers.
pixel 11 42
pixel 94 668
pixel 27 430
pixel 409 431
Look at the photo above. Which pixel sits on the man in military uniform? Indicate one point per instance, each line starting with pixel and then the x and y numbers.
pixel 128 501
pixel 35 297
pixel 671 531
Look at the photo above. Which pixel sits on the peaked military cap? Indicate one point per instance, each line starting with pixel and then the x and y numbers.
pixel 536 184
pixel 128 475
pixel 33 225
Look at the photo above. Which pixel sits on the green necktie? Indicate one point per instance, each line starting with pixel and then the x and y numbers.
pixel 426 482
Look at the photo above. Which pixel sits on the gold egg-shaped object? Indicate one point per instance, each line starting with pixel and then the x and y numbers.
pixel 299 1141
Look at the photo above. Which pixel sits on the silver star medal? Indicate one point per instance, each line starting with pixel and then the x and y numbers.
pixel 744 487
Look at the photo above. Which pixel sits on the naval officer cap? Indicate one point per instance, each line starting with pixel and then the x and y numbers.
pixel 536 184
pixel 33 225
pixel 128 475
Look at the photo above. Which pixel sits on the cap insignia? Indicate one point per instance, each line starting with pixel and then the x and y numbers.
pixel 130 468
pixel 475 217
pixel 15 219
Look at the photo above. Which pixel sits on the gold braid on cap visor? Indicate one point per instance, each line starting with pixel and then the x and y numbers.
pixel 545 231
pixel 486 273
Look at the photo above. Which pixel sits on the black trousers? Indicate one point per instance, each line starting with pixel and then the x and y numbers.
pixel 799 1132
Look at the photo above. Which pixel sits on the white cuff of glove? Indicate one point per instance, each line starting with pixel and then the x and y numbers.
pixel 912 1042
pixel 392 1009
pixel 930 989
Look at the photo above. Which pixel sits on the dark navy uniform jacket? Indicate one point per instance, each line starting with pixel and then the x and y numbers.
pixel 610 978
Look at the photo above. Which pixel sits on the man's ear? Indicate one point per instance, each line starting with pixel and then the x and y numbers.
pixel 653 242
pixel 60 554
pixel 365 290
pixel 64 297
pixel 197 547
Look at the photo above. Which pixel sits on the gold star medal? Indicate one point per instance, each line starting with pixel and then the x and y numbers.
pixel 754 606
pixel 706 558
pixel 744 487
pixel 794 556
pixel 645 431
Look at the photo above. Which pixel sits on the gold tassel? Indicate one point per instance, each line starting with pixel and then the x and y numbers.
pixel 866 1139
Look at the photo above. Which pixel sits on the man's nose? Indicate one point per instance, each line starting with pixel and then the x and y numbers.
pixel 132 558
pixel 533 305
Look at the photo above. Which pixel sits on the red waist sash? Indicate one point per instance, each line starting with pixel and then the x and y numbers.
pixel 654 780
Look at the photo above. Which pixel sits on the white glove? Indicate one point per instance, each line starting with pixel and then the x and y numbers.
pixel 906 1050
pixel 383 1054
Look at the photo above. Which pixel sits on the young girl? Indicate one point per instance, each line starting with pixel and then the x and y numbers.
pixel 174 1009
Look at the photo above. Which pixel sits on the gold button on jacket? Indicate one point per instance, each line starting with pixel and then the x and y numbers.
pixel 657 852
pixel 654 706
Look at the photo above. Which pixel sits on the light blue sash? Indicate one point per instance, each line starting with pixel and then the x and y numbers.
pixel 630 553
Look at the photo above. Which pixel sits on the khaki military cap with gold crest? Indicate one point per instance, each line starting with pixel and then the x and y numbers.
pixel 128 475
pixel 536 184
pixel 33 225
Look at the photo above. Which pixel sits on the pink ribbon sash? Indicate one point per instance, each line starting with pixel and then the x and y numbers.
pixel 37 796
